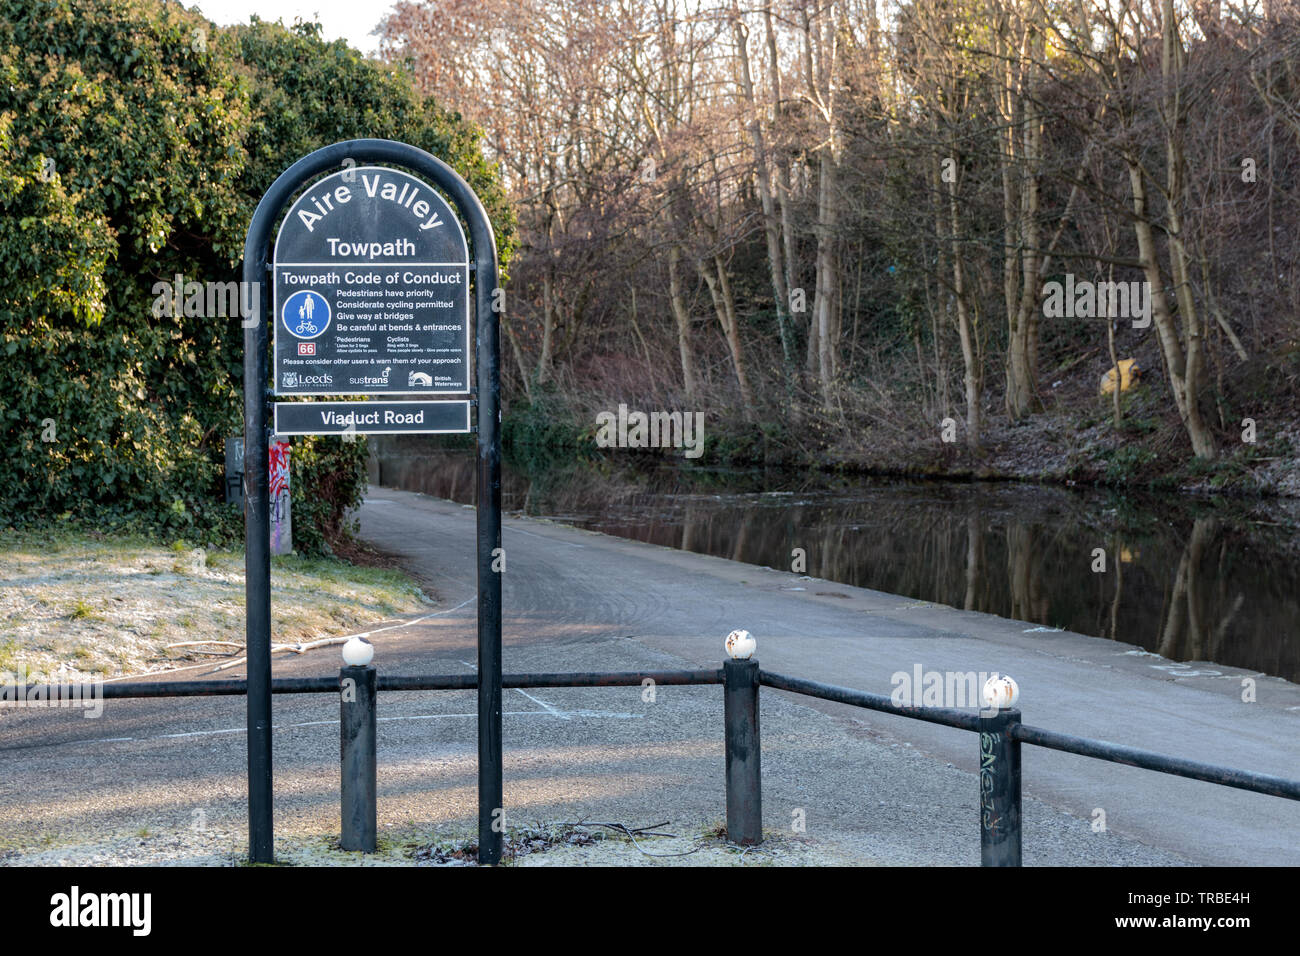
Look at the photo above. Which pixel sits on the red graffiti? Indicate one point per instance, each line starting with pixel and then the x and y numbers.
pixel 279 468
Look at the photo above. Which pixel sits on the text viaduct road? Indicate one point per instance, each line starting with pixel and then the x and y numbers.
pixel 563 584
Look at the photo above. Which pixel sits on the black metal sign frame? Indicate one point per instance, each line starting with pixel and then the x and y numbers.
pixel 258 397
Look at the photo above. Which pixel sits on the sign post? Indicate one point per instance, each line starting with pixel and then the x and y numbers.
pixel 371 274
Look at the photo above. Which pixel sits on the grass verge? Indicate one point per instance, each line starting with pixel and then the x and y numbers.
pixel 95 605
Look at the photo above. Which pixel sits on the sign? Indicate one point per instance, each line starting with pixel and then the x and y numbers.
pixel 277 480
pixel 278 452
pixel 371 418
pixel 371 273
pixel 235 471
pixel 281 521
pixel 371 278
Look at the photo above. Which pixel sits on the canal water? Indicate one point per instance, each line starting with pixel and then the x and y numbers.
pixel 1194 580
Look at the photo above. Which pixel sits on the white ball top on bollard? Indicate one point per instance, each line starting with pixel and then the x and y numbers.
pixel 358 652
pixel 741 645
pixel 1000 692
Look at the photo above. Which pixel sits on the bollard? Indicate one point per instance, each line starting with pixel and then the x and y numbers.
pixel 744 771
pixel 999 789
pixel 357 746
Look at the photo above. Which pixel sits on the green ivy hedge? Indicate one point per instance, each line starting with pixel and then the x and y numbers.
pixel 135 140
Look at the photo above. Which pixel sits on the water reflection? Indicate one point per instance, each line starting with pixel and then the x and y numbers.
pixel 1192 581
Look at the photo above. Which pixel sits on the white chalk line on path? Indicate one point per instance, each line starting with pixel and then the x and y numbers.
pixel 554 712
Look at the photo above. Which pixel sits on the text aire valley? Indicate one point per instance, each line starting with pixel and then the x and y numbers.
pixel 375 186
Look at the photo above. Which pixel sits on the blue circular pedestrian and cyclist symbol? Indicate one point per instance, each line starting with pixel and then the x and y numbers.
pixel 306 314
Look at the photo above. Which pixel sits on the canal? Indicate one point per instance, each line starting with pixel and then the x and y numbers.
pixel 1198 581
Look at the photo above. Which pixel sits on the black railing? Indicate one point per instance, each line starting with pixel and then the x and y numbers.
pixel 1148 760
pixel 329 685
pixel 1001 736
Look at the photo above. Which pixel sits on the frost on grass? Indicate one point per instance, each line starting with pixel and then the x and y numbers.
pixel 517 842
pixel 100 606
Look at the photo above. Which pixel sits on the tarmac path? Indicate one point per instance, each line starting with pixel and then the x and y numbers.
pixel 163 780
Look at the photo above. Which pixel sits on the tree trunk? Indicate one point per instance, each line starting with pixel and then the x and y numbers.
pixel 508 327
pixel 771 229
pixel 782 166
pixel 683 318
pixel 549 310
pixel 827 279
pixel 1021 161
pixel 724 305
pixel 965 327
pixel 1173 62
pixel 1183 378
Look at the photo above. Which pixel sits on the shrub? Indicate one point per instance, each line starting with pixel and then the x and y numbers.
pixel 334 472
pixel 135 140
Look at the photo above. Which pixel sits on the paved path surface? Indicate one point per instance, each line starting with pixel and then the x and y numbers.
pixel 164 780
pixel 567 588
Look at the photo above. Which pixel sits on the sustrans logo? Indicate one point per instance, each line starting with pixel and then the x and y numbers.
pixel 381 379
pixel 73 909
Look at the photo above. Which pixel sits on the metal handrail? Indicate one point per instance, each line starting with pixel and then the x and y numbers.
pixel 947 716
pixel 1001 734
pixel 1161 763
pixel 330 685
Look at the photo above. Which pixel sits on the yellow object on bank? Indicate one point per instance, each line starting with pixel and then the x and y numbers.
pixel 1129 372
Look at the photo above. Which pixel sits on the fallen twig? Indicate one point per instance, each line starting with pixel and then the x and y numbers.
pixel 623 828
pixel 644 831
pixel 302 648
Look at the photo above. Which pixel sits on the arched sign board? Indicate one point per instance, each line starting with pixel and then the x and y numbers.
pixel 372 282
pixel 371 277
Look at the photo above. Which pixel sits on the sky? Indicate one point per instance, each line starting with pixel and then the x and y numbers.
pixel 351 20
